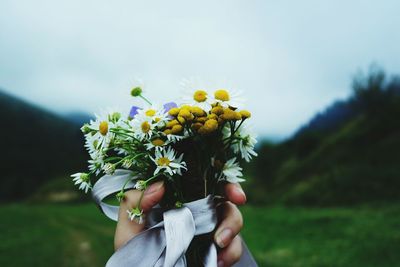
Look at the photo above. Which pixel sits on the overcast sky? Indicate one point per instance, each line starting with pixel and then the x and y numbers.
pixel 290 58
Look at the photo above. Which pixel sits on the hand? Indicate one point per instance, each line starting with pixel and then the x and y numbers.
pixel 231 222
pixel 226 235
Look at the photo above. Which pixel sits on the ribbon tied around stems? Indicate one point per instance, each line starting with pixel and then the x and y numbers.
pixel 169 233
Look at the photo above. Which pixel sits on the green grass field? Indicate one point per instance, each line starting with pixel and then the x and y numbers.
pixel 78 235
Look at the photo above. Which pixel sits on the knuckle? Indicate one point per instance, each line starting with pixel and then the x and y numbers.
pixel 237 218
pixel 236 255
pixel 232 217
pixel 130 198
pixel 236 251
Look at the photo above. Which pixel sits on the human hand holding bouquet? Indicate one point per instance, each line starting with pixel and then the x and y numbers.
pixel 226 234
pixel 192 149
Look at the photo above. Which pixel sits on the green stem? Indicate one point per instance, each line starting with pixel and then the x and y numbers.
pixel 113 158
pixel 152 178
pixel 240 124
pixel 126 182
pixel 118 132
pixel 140 199
pixel 147 181
pixel 205 181
pixel 145 99
pixel 233 131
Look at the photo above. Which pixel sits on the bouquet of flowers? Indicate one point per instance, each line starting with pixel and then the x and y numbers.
pixel 193 147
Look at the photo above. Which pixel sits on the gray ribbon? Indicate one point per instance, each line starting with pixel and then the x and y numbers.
pixel 169 233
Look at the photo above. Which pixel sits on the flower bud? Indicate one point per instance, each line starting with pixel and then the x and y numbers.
pixel 218 110
pixel 174 111
pixel 136 91
pixel 86 129
pixel 176 129
pixel 245 114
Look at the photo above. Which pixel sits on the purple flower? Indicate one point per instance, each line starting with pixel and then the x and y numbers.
pixel 169 105
pixel 134 111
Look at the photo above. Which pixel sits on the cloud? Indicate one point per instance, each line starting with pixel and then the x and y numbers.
pixel 290 58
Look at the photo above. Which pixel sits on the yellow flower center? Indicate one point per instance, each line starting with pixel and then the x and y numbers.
pixel 163 161
pixel 157 142
pixel 222 95
pixel 200 96
pixel 145 127
pixel 157 119
pixel 103 127
pixel 150 112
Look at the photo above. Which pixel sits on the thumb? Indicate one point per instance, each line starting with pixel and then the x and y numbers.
pixel 127 229
pixel 152 196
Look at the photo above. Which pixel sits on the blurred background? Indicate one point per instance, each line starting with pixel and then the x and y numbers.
pixel 320 78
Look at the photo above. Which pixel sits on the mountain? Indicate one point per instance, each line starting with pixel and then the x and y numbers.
pixel 347 155
pixel 367 91
pixel 37 146
pixel 334 116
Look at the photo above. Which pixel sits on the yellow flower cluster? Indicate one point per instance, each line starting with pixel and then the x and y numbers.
pixel 201 121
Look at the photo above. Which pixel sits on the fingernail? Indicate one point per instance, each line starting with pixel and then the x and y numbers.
pixel 220 263
pixel 154 188
pixel 223 237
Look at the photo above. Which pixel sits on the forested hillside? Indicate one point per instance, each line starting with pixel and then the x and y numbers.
pixel 37 146
pixel 349 154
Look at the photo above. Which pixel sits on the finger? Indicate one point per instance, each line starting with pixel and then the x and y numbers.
pixel 235 193
pixel 231 223
pixel 231 254
pixel 127 229
pixel 151 197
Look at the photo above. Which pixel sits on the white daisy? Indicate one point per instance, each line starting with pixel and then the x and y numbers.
pixel 173 138
pixel 140 185
pixel 143 127
pixel 244 142
pixel 156 113
pixel 135 214
pixel 156 143
pixel 83 179
pixel 122 123
pixel 96 165
pixel 101 126
pixel 195 96
pixel 227 98
pixel 121 151
pixel 109 168
pixel 92 145
pixel 124 127
pixel 103 136
pixel 127 163
pixel 246 145
pixel 167 160
pixel 231 172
